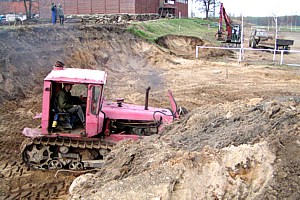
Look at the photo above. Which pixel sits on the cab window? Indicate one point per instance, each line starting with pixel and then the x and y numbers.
pixel 95 99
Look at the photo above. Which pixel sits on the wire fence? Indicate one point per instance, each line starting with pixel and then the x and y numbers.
pixel 249 55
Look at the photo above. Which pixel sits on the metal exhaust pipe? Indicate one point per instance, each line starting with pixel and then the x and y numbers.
pixel 147 97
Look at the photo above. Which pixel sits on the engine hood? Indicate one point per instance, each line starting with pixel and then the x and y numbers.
pixel 135 112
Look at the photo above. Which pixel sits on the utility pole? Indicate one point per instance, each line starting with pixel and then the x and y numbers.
pixel 275 45
pixel 214 8
pixel 287 22
pixel 241 57
pixel 291 23
pixel 296 21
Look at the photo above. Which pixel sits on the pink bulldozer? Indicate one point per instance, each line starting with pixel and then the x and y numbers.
pixel 64 142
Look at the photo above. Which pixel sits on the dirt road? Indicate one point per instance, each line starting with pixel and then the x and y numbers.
pixel 136 65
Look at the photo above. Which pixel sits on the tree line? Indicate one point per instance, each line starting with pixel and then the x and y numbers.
pixel 292 20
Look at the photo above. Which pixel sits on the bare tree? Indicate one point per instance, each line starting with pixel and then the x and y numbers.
pixel 208 6
pixel 28 9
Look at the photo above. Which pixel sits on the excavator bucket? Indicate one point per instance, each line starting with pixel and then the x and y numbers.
pixel 219 36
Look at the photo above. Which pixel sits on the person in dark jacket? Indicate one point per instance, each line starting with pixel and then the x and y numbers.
pixel 64 103
pixel 60 13
pixel 54 13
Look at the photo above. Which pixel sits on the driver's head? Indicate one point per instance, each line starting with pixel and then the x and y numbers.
pixel 68 86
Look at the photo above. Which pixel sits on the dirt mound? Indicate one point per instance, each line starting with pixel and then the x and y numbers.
pixel 185 46
pixel 226 151
pixel 182 46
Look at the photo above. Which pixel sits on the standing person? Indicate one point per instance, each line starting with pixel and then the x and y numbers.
pixel 60 13
pixel 54 13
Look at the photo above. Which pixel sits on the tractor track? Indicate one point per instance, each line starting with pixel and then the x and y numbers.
pixel 17 180
pixel 34 191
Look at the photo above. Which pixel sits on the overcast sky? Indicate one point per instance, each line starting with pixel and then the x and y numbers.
pixel 262 7
pixel 258 8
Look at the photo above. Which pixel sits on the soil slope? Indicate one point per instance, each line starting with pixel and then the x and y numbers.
pixel 226 151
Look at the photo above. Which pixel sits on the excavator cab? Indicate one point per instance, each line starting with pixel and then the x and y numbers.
pixel 235 34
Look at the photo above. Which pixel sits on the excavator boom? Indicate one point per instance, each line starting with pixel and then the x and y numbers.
pixel 233 32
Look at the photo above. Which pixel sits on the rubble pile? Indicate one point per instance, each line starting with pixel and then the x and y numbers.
pixel 110 18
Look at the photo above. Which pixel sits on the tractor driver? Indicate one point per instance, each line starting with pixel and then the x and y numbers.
pixel 64 103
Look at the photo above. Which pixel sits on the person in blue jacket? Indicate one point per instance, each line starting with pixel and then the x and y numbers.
pixel 54 13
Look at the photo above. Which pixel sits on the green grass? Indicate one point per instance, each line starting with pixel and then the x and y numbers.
pixel 152 30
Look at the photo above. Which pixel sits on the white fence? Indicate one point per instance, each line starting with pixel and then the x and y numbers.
pixel 286 57
pixel 280 28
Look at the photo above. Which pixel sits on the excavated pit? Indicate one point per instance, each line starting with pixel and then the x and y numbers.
pixel 240 140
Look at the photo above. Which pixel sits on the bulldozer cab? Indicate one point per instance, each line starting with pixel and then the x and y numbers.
pixel 61 118
pixel 88 97
pixel 87 92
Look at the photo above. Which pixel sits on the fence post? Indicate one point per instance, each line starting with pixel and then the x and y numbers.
pixel 276 35
pixel 197 47
pixel 240 55
pixel 281 57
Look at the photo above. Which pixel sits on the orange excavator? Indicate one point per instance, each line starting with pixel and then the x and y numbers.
pixel 233 31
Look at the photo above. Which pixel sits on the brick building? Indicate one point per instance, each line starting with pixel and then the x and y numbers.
pixel 16 7
pixel 175 7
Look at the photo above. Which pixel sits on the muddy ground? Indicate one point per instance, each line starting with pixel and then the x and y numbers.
pixel 240 140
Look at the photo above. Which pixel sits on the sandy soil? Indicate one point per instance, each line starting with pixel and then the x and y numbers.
pixel 240 140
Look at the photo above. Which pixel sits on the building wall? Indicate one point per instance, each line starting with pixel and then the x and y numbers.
pixel 90 6
pixel 17 7
pixel 146 6
pixel 183 9
pixel 96 7
pixel 112 6
pixel 44 8
pixel 180 7
pixel 84 7
pixel 127 6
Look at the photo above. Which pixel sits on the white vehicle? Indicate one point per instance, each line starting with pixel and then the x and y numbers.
pixel 13 17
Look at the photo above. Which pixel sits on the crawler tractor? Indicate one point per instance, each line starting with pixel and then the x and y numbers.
pixel 61 142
